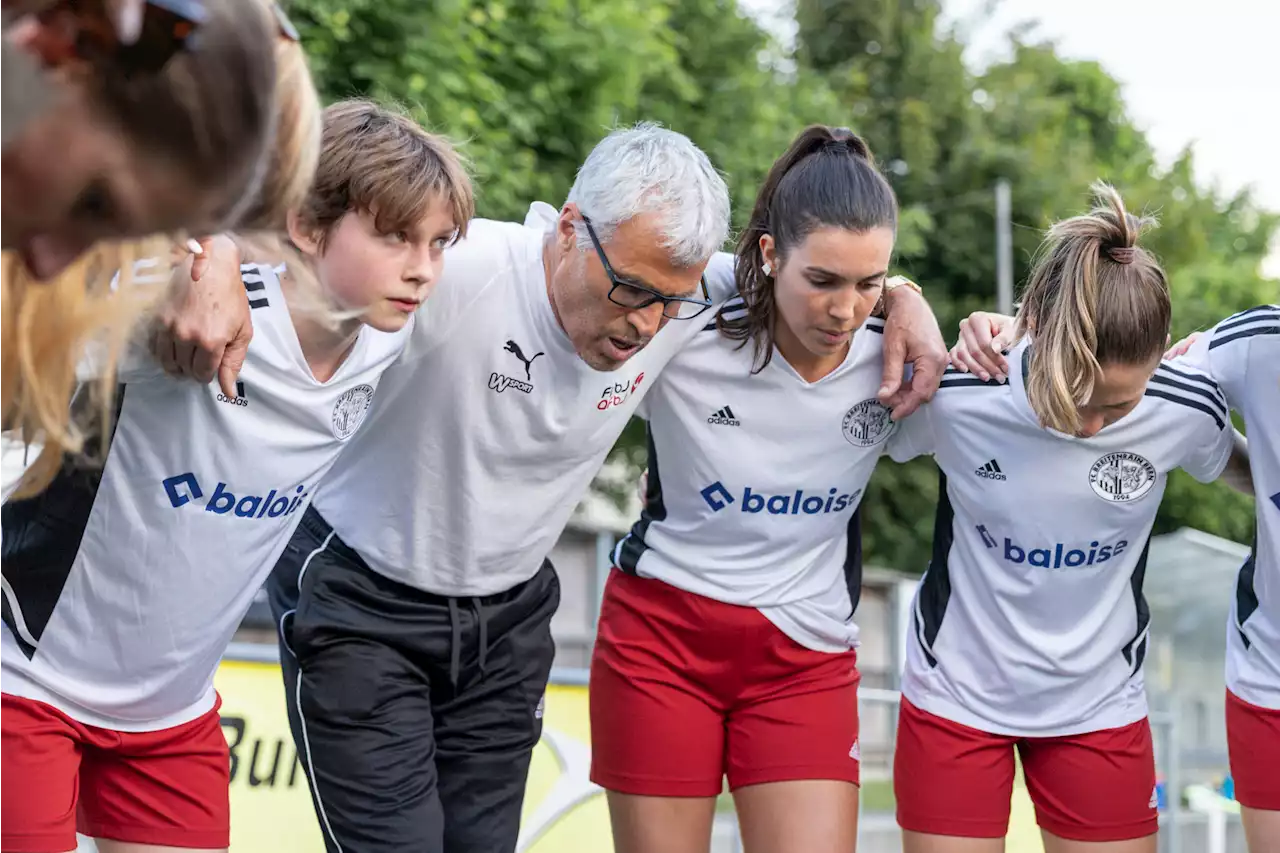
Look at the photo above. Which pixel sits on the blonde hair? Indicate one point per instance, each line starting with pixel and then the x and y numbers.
pixel 1094 297
pixel 296 150
pixel 46 328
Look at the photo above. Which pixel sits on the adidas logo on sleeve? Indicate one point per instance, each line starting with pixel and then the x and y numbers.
pixel 991 471
pixel 724 417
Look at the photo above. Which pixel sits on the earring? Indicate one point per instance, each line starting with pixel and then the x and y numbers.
pixel 767 268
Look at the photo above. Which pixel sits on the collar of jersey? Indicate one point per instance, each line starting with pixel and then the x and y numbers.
pixel 1019 359
pixel 780 363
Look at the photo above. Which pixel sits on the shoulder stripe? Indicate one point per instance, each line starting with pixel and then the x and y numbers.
pixel 1187 375
pixel 1259 310
pixel 965 380
pixel 1174 397
pixel 1219 340
pixel 255 282
pixel 874 324
pixel 1213 395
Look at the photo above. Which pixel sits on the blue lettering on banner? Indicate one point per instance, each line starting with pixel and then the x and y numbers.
pixel 1056 555
pixel 182 489
pixel 800 501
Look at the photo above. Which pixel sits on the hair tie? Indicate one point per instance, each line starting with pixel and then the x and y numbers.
pixel 1121 254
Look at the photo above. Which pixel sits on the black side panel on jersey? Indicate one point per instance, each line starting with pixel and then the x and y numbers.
pixel 633 546
pixel 42 537
pixel 935 589
pixel 1135 650
pixel 853 560
pixel 1246 595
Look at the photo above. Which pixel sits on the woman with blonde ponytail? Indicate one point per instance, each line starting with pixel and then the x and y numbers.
pixel 47 325
pixel 1030 629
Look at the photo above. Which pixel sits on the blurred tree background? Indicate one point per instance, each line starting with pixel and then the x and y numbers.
pixel 526 87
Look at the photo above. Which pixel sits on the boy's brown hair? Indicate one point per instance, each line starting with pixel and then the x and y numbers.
pixel 379 161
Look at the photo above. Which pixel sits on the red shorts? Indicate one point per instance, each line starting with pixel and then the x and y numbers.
pixel 686 690
pixel 1253 741
pixel 954 780
pixel 166 788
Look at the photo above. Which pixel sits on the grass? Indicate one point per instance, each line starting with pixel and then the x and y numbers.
pixel 877 796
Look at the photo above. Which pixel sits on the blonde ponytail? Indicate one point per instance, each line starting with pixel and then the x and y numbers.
pixel 46 328
pixel 1094 297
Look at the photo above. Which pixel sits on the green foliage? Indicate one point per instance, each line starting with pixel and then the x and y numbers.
pixel 526 87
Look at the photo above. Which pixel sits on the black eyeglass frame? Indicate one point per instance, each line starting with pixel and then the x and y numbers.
pixel 650 295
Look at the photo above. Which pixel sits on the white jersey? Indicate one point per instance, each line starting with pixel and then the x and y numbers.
pixel 755 479
pixel 490 428
pixel 1031 619
pixel 1242 353
pixel 124 583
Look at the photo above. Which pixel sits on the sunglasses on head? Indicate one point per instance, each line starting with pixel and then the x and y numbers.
pixel 166 27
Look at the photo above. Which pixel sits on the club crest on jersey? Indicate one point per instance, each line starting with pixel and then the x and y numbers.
pixel 867 424
pixel 1122 477
pixel 349 411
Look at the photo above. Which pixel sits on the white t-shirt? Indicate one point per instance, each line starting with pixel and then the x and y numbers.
pixel 123 584
pixel 1242 353
pixel 754 480
pixel 490 427
pixel 1031 620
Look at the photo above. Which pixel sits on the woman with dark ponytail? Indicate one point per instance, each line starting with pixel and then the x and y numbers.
pixel 726 642
pixel 1029 629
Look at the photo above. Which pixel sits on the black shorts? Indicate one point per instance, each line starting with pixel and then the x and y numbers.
pixel 415 715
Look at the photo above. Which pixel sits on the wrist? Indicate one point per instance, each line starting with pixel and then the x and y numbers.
pixel 899 289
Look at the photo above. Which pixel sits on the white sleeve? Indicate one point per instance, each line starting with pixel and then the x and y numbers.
pixel 482 259
pixel 133 362
pixel 721 283
pixel 913 436
pixel 1209 453
pixel 1223 351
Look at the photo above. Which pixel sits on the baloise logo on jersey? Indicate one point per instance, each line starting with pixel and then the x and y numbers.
pixel 1056 555
pixel 718 497
pixel 182 489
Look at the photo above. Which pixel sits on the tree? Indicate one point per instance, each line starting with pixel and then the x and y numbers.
pixel 527 87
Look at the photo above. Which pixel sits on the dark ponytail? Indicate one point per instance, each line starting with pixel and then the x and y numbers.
pixel 827 178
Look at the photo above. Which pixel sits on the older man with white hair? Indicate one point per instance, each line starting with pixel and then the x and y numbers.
pixel 415 601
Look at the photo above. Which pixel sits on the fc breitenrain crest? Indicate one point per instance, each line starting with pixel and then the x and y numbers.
pixel 867 424
pixel 349 411
pixel 1121 477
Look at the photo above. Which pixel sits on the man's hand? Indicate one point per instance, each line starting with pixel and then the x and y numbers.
pixel 1182 346
pixel 204 327
pixel 984 338
pixel 911 336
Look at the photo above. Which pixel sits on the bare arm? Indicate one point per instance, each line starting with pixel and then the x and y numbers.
pixel 911 336
pixel 1237 474
pixel 204 329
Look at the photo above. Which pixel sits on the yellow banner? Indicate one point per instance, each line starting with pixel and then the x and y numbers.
pixel 271 806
